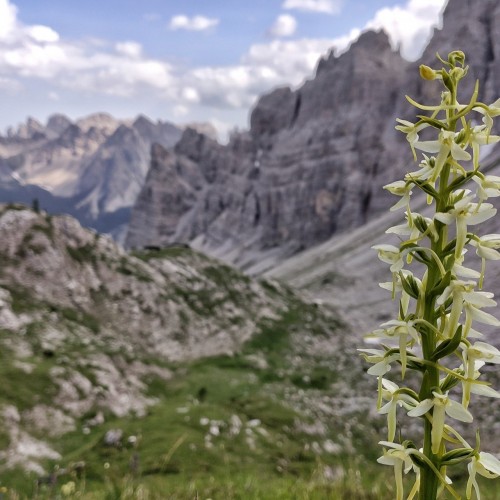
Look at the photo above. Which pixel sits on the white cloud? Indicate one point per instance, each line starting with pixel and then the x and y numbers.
pixel 38 52
pixel 123 70
pixel 324 6
pixel 410 26
pixel 42 34
pixel 129 49
pixel 196 23
pixel 190 94
pixel 8 13
pixel 285 25
pixel 281 62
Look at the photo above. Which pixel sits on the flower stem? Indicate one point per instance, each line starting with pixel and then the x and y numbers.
pixel 429 482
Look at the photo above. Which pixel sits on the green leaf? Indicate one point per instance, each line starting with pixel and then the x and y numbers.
pixel 439 287
pixel 421 223
pixel 426 187
pixel 450 381
pixel 401 311
pixel 457 456
pixel 410 285
pixel 447 346
pixel 460 180
pixel 432 121
pixel 406 245
pixel 450 247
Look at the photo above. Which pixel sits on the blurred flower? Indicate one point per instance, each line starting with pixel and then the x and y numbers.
pixel 485 465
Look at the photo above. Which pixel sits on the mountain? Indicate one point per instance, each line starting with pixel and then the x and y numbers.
pixel 108 357
pixel 315 158
pixel 302 172
pixel 93 168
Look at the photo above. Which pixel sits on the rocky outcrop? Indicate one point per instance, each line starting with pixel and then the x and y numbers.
pixel 88 331
pixel 52 264
pixel 315 159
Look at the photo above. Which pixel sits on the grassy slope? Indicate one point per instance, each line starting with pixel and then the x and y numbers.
pixel 251 432
pixel 224 427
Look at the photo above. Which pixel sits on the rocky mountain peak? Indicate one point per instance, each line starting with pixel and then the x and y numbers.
pixel 93 168
pixel 193 144
pixel 372 42
pixel 102 121
pixel 32 129
pixel 58 123
pixel 273 112
pixel 143 125
pixel 204 128
pixel 69 135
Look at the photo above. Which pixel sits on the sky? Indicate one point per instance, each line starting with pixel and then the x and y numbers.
pixel 181 61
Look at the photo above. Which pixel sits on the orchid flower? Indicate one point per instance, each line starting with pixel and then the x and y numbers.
pixel 398 457
pixel 485 465
pixel 390 255
pixel 395 397
pixel 465 213
pixel 440 404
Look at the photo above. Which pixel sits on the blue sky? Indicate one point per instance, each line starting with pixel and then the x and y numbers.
pixel 180 61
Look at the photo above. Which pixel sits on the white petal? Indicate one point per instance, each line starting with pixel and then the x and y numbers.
pixel 489 462
pixel 492 240
pixel 487 350
pixel 385 409
pixel 390 386
pixel 481 216
pixel 483 317
pixel 403 229
pixel 428 146
pixel 486 139
pixel 458 153
pixel 444 296
pixel 390 444
pixel 457 411
pixel 400 204
pixel 445 218
pixel 466 272
pixel 479 299
pixel 386 248
pixel 484 390
pixel 474 334
pixel 386 460
pixel 487 253
pixel 380 368
pixel 422 408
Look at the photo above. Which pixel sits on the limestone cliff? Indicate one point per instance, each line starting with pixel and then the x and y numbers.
pixel 301 173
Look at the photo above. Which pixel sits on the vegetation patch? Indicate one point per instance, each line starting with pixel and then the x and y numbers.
pixel 85 254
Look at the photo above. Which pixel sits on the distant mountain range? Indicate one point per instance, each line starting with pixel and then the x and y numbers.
pixel 92 168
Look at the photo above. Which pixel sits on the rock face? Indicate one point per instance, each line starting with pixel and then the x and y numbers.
pixel 315 159
pixel 94 167
pixel 302 172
